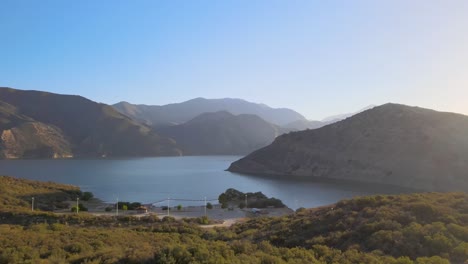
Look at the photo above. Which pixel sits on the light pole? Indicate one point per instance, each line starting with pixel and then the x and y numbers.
pixel 32 204
pixel 77 204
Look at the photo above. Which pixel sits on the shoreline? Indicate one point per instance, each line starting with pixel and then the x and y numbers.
pixel 222 217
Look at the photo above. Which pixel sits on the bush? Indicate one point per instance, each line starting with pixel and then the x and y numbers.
pixel 209 206
pixel 203 220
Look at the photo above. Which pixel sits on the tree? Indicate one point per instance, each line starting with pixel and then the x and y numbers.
pixel 179 207
pixel 87 196
pixel 209 206
pixel 223 198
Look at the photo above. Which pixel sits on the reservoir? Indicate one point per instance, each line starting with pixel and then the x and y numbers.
pixel 184 180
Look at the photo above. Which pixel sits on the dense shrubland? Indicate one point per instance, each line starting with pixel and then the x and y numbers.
pixel 415 228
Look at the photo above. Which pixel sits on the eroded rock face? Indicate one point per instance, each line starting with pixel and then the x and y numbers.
pixel 9 145
pixel 34 140
pixel 390 144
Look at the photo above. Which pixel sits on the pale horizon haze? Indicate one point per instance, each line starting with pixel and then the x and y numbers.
pixel 319 58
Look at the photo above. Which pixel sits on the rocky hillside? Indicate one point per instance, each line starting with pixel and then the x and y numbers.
pixel 37 124
pixel 391 144
pixel 178 113
pixel 222 133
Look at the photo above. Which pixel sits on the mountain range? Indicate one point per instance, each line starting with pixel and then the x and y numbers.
pixel 36 124
pixel 391 144
pixel 179 113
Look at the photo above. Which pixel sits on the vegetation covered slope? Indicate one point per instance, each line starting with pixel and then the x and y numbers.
pixel 16 195
pixel 44 125
pixel 413 225
pixel 179 113
pixel 222 133
pixel 390 144
pixel 429 228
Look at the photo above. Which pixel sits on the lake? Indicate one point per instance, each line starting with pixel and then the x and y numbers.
pixel 153 180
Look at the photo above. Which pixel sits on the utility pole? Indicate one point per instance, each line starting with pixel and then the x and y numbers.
pixel 168 207
pixel 32 204
pixel 117 208
pixel 205 206
pixel 77 204
pixel 295 205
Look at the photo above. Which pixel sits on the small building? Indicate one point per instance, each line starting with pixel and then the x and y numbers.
pixel 142 210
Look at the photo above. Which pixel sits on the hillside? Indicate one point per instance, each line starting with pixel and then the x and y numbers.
pixel 412 225
pixel 389 229
pixel 391 144
pixel 16 194
pixel 222 133
pixel 179 113
pixel 37 124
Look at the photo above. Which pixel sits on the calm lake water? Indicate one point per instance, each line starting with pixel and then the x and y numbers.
pixel 151 180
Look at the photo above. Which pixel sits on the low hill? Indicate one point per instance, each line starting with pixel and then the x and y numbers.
pixel 36 124
pixel 222 133
pixel 390 144
pixel 179 113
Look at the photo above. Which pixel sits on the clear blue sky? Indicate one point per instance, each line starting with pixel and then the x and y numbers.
pixel 317 57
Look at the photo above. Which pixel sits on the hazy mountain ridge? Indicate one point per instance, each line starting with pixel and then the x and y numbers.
pixel 222 133
pixel 391 144
pixel 299 125
pixel 339 117
pixel 36 124
pixel 304 124
pixel 179 113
